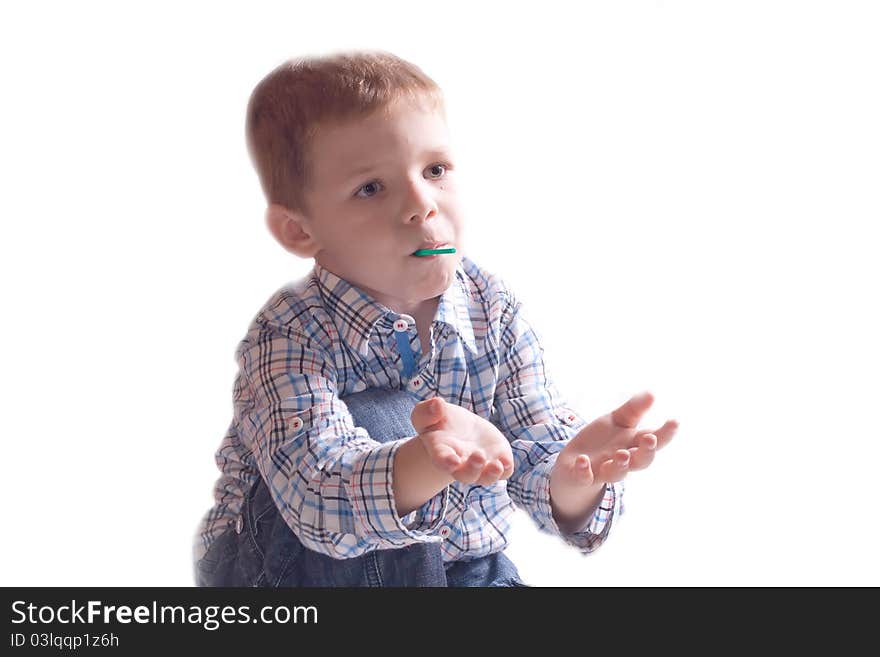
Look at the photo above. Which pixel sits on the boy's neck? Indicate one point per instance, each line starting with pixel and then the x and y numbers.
pixel 427 312
pixel 424 317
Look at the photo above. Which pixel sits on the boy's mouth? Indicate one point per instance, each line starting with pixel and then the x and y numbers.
pixel 433 248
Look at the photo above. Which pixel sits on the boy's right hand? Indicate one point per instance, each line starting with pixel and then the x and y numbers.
pixel 470 448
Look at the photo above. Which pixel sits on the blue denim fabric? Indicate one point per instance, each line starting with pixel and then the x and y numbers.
pixel 267 553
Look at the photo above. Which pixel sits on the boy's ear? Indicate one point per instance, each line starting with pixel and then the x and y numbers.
pixel 291 230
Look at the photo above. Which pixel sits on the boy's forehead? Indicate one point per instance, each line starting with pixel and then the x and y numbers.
pixel 353 146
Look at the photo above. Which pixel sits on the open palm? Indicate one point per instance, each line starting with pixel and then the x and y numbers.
pixel 469 447
pixel 610 446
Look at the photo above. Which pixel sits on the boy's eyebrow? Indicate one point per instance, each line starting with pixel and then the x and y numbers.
pixel 441 151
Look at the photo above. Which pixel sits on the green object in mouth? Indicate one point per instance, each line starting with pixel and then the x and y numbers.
pixel 424 252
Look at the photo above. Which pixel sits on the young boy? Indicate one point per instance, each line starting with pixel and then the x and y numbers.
pixel 391 407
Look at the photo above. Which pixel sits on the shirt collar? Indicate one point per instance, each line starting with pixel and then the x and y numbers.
pixel 356 313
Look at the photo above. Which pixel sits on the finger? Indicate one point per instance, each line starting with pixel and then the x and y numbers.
pixel 615 469
pixel 447 457
pixel 581 470
pixel 641 456
pixel 426 414
pixel 507 463
pixel 644 438
pixel 664 434
pixel 491 473
pixel 585 469
pixel 443 448
pixel 629 414
pixel 470 471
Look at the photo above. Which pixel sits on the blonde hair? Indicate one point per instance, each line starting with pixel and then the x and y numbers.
pixel 289 104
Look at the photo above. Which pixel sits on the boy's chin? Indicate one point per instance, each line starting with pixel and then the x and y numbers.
pixel 434 285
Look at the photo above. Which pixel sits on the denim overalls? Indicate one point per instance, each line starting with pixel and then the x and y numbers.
pixel 261 550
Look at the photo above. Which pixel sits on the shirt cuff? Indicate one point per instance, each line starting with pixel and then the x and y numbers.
pixel 430 515
pixel 372 502
pixel 596 529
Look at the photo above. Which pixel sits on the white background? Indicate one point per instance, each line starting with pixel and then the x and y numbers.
pixel 684 194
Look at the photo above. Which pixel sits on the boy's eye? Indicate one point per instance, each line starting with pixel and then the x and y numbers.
pixel 442 168
pixel 369 190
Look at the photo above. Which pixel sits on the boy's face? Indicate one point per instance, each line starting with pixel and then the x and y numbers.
pixel 382 187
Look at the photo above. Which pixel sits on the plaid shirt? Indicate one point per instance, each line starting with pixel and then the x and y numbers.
pixel 320 339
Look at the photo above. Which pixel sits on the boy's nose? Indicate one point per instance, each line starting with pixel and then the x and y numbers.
pixel 421 205
pixel 423 216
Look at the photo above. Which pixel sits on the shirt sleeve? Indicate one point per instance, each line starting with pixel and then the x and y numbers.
pixel 330 481
pixel 536 419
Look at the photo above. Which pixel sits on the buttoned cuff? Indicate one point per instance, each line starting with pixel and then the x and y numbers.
pixel 372 502
pixel 428 517
pixel 595 530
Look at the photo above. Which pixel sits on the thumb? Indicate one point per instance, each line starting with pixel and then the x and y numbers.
pixel 629 414
pixel 426 413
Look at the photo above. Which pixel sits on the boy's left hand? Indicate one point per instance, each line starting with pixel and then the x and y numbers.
pixel 604 451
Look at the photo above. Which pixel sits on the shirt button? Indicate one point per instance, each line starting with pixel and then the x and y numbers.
pixel 416 383
pixel 401 325
pixel 296 424
pixel 239 524
pixel 444 532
